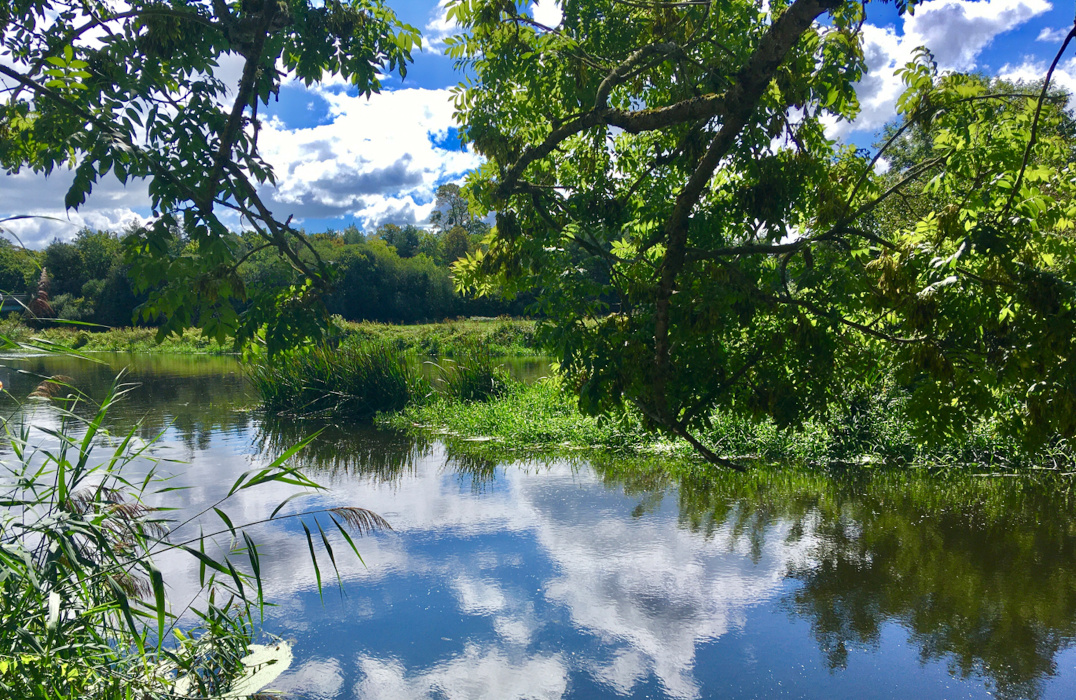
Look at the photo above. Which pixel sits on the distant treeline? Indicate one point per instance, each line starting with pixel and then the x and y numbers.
pixel 398 274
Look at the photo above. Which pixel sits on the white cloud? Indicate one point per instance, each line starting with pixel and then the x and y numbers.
pixel 956 31
pixel 110 206
pixel 547 12
pixel 375 160
pixel 1052 36
pixel 1031 71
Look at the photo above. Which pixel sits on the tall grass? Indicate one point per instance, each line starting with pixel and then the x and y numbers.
pixel 504 337
pixel 472 375
pixel 84 611
pixel 356 380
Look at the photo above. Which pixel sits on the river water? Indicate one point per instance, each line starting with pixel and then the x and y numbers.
pixel 547 578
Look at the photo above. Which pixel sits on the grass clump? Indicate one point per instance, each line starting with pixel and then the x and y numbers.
pixel 358 381
pixel 540 415
pixel 502 336
pixel 473 375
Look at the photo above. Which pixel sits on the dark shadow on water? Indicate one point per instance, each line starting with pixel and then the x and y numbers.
pixel 343 449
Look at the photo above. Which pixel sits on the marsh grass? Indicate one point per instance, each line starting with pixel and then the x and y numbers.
pixel 84 611
pixel 867 429
pixel 357 381
pixel 502 336
pixel 474 374
pixel 540 415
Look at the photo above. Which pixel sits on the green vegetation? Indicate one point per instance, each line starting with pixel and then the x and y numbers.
pixel 84 611
pixel 472 375
pixel 140 340
pixel 90 79
pixel 87 280
pixel 358 380
pixel 868 428
pixel 699 244
pixel 502 337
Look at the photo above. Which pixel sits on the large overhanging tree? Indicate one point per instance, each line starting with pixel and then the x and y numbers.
pixel 131 88
pixel 661 173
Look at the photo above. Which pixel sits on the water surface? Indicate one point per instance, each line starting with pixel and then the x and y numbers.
pixel 601 579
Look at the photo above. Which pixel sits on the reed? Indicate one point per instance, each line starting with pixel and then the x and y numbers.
pixel 84 610
pixel 357 381
pixel 473 375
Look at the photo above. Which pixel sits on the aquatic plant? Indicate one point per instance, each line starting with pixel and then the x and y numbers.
pixel 473 375
pixel 354 380
pixel 83 606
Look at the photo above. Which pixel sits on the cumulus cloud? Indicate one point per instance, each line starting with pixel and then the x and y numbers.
pixel 110 206
pixel 955 31
pixel 1052 36
pixel 1031 71
pixel 377 160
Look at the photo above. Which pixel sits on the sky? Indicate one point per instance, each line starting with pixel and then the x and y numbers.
pixel 343 159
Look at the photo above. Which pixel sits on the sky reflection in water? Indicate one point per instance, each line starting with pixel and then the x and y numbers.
pixel 558 580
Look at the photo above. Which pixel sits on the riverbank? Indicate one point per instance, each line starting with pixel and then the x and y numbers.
pixel 131 340
pixel 505 337
pixel 544 417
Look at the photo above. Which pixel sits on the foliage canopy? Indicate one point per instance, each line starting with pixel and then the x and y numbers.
pixel 133 89
pixel 662 174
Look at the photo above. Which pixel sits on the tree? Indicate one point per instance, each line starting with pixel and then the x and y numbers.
pixel 452 208
pixel 130 90
pixel 456 244
pixel 662 176
pixel 404 239
pixel 19 268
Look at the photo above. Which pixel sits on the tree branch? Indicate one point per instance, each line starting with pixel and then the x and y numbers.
pixel 741 99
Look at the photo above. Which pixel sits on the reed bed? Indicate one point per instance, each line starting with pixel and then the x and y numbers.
pixel 472 375
pixel 358 381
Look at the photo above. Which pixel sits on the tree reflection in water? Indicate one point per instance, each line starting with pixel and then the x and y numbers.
pixel 981 571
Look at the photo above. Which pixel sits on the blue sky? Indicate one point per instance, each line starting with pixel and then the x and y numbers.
pixel 343 159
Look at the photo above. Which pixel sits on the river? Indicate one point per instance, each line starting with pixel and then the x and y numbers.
pixel 598 578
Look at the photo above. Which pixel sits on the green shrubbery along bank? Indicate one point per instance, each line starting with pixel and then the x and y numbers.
pixel 472 399
pixel 503 337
